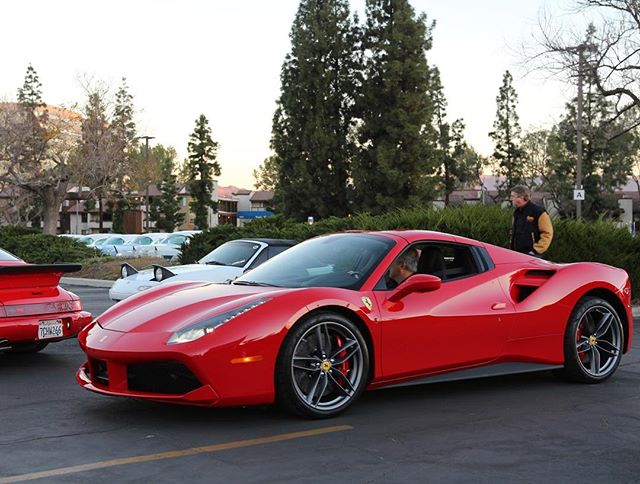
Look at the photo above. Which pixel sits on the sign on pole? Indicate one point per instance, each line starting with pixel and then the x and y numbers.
pixel 578 194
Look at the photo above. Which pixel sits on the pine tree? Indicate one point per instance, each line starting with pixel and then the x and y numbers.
pixel 200 169
pixel 34 109
pixel 451 147
pixel 507 154
pixel 395 165
pixel 311 125
pixel 30 94
pixel 165 210
pixel 123 123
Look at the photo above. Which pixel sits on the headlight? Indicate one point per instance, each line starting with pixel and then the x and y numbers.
pixel 198 330
pixel 123 272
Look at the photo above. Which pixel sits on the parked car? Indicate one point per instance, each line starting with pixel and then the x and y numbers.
pixel 34 309
pixel 110 246
pixel 226 262
pixel 132 248
pixel 315 326
pixel 95 240
pixel 169 248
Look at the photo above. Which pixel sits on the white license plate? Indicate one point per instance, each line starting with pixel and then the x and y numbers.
pixel 50 328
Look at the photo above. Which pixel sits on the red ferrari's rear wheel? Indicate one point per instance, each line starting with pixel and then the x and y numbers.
pixel 323 366
pixel 593 341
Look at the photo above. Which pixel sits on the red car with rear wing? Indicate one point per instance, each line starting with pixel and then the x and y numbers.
pixel 34 309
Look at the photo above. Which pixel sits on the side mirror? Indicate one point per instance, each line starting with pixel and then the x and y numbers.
pixel 416 283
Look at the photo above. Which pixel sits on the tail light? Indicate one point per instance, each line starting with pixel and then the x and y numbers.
pixel 16 310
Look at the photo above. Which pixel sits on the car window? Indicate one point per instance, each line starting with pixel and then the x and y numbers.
pixel 338 260
pixel 176 239
pixel 262 257
pixel 444 260
pixel 234 253
pixel 115 241
pixel 142 241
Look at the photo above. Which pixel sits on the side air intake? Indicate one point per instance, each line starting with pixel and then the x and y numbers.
pixel 528 282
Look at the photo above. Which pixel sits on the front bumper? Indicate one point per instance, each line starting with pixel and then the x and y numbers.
pixel 202 396
pixel 142 365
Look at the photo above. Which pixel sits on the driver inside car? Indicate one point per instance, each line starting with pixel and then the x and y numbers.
pixel 403 267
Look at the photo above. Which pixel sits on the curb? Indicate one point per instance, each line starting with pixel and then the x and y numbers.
pixel 81 281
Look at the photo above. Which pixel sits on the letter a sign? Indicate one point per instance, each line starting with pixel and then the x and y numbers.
pixel 578 194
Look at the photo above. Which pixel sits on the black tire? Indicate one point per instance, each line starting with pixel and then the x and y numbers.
pixel 323 366
pixel 593 342
pixel 23 348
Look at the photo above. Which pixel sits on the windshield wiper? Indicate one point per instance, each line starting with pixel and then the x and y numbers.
pixel 253 283
pixel 215 263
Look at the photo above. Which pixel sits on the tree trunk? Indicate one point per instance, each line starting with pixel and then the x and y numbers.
pixel 50 211
pixel 101 225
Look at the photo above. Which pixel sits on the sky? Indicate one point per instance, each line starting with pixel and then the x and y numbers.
pixel 221 58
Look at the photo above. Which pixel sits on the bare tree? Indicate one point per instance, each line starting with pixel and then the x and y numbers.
pixel 610 49
pixel 103 151
pixel 37 149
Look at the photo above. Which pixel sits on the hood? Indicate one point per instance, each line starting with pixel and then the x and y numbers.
pixel 181 304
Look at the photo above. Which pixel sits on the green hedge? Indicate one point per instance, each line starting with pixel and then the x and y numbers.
pixel 37 248
pixel 599 241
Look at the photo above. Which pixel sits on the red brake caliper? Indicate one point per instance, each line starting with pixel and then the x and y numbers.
pixel 582 355
pixel 344 367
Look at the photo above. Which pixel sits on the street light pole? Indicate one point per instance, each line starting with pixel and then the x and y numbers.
pixel 581 65
pixel 581 49
pixel 146 199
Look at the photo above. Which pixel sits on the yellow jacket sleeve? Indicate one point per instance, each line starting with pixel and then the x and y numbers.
pixel 546 233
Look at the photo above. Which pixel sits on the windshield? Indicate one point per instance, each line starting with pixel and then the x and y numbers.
pixel 340 260
pixel 114 241
pixel 4 255
pixel 232 254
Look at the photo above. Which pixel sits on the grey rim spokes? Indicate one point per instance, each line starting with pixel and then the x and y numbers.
pixel 598 341
pixel 327 365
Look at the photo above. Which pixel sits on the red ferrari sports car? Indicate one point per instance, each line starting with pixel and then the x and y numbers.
pixel 315 326
pixel 34 310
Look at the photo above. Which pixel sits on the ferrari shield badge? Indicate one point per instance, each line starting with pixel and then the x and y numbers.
pixel 367 302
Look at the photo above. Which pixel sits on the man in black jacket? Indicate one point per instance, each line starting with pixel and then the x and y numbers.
pixel 532 230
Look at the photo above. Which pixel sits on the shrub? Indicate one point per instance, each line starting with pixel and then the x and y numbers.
pixel 599 241
pixel 39 248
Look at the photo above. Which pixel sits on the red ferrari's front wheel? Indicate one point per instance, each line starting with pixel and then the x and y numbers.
pixel 323 366
pixel 593 341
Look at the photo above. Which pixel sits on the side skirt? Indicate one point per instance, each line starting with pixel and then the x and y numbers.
pixel 498 369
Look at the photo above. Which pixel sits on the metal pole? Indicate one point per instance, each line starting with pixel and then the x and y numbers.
pixel 146 198
pixel 579 132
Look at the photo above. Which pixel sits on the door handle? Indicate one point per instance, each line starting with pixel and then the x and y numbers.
pixel 499 305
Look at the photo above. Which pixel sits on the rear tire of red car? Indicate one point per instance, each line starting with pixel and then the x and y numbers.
pixel 593 342
pixel 323 366
pixel 22 348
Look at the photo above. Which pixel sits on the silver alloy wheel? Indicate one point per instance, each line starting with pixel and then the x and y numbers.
pixel 327 366
pixel 598 341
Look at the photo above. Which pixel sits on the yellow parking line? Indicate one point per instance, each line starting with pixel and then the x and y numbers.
pixel 173 454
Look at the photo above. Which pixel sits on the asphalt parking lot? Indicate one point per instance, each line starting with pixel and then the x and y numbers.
pixel 527 428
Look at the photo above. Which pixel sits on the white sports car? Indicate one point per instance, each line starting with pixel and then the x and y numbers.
pixel 226 262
